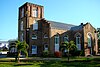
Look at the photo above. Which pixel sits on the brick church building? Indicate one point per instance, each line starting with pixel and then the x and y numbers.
pixel 42 34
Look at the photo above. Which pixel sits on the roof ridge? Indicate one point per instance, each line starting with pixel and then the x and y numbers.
pixel 60 22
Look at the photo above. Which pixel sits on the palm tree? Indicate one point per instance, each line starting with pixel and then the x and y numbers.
pixel 68 46
pixel 21 47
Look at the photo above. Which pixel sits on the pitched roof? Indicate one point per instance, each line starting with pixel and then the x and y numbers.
pixel 77 27
pixel 59 25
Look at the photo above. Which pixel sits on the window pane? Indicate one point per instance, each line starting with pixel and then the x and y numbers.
pixel 56 43
pixel 34 36
pixel 34 49
pixel 89 42
pixel 77 40
pixel 65 39
pixel 21 25
pixel 57 40
pixel 78 44
pixel 35 25
pixel 56 47
pixel 35 13
pixel 22 12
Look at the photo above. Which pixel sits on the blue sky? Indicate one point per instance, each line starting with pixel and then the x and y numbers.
pixel 66 11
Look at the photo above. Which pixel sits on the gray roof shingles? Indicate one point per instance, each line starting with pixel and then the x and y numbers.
pixel 59 25
pixel 77 27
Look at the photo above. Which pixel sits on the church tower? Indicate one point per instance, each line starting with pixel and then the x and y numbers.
pixel 28 15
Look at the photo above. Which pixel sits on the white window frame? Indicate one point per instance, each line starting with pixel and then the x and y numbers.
pixel 21 25
pixel 22 12
pixel 56 43
pixel 35 12
pixel 34 51
pixel 78 44
pixel 34 36
pixel 35 25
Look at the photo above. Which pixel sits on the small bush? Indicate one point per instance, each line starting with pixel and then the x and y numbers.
pixel 77 53
pixel 58 54
pixel 45 53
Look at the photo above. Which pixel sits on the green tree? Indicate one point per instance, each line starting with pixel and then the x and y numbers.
pixel 21 47
pixel 68 46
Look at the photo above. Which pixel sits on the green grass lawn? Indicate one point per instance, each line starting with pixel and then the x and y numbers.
pixel 81 62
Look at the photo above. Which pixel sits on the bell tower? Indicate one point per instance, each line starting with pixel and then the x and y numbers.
pixel 28 14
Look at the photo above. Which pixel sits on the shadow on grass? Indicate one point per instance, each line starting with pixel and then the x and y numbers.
pixel 84 62
pixel 22 64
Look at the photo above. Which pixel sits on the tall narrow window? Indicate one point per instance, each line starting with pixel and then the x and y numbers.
pixel 66 39
pixel 78 44
pixel 21 25
pixel 35 12
pixel 89 40
pixel 34 49
pixel 57 43
pixel 22 12
pixel 35 25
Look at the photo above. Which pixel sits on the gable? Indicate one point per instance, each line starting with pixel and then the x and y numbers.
pixel 89 26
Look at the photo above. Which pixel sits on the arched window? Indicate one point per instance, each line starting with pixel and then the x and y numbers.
pixel 56 43
pixel 35 12
pixel 66 39
pixel 21 25
pixel 45 47
pixel 45 36
pixel 78 44
pixel 89 40
pixel 34 36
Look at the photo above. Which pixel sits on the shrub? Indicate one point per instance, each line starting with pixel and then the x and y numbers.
pixel 45 53
pixel 58 54
pixel 77 53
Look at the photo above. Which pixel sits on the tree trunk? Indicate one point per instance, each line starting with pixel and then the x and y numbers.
pixel 18 56
pixel 68 55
